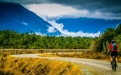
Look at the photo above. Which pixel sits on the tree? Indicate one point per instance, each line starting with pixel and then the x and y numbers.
pixel 12 39
pixel 118 29
pixel 100 43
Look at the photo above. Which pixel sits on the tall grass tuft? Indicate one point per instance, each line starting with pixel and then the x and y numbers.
pixel 36 66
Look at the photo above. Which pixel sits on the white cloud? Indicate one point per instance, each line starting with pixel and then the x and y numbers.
pixel 56 25
pixel 24 23
pixel 51 29
pixel 65 32
pixel 80 33
pixel 52 10
pixel 46 11
pixel 57 10
pixel 39 33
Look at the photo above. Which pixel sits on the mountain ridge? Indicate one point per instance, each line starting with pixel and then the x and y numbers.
pixel 16 17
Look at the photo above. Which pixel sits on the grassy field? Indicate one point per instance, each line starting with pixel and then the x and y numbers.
pixel 36 66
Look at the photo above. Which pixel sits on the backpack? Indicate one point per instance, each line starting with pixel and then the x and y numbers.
pixel 114 46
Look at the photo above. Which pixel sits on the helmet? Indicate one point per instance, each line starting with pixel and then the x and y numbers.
pixel 113 41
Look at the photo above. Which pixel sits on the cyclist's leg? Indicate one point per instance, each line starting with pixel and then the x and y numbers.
pixel 111 56
pixel 116 57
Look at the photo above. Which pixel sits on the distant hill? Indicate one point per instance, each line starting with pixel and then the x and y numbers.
pixel 14 16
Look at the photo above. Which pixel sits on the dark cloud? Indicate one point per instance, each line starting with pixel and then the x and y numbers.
pixel 104 6
pixel 111 6
pixel 25 1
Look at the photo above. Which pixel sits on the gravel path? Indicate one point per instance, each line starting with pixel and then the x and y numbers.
pixel 103 67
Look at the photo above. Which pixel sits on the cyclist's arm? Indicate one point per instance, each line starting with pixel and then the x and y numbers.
pixel 109 49
pixel 118 49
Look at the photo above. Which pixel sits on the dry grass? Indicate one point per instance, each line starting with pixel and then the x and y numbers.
pixel 20 51
pixel 31 51
pixel 83 54
pixel 36 66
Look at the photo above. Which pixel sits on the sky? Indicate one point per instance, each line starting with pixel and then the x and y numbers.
pixel 51 10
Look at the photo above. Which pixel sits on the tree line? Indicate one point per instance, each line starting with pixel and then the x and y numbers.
pixel 13 40
pixel 101 44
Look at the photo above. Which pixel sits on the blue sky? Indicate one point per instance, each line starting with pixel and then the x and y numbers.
pixel 88 24
pixel 105 12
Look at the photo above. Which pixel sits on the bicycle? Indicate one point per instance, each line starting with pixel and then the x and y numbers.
pixel 113 63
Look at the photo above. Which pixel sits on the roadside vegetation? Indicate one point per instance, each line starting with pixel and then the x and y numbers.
pixel 36 66
pixel 81 54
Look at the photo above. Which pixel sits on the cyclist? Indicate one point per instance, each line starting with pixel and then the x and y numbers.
pixel 113 52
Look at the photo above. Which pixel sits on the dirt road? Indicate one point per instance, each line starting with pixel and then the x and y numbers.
pixel 99 65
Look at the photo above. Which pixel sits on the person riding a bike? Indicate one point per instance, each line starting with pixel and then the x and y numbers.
pixel 114 52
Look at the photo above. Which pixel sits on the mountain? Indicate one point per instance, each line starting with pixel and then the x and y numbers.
pixel 14 16
pixel 90 25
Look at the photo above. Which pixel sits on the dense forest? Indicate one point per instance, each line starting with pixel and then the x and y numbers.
pixel 11 39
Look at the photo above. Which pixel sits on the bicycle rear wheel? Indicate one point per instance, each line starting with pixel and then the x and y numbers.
pixel 113 65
